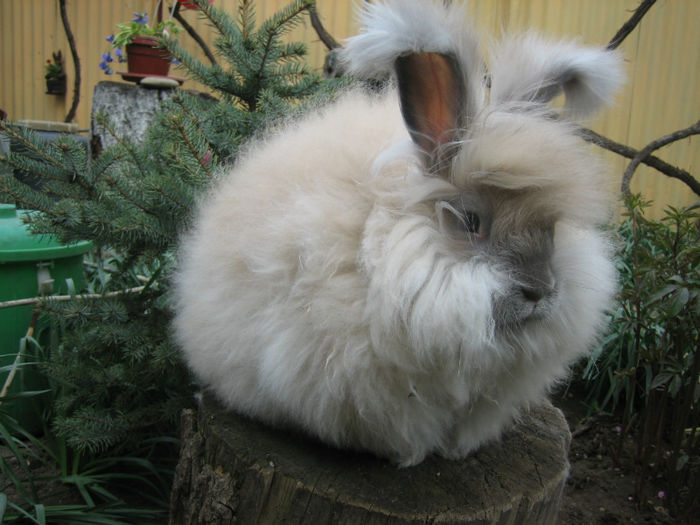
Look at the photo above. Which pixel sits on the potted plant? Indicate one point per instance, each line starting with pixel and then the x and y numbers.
pixel 55 75
pixel 139 42
pixel 191 4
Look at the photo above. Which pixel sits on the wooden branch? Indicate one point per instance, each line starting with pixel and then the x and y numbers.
pixel 650 160
pixel 629 26
pixel 18 358
pixel 325 36
pixel 76 61
pixel 60 298
pixel 195 36
pixel 654 145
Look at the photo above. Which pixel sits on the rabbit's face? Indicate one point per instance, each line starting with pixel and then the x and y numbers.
pixel 525 258
pixel 485 226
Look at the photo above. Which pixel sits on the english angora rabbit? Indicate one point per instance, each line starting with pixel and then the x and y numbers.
pixel 403 272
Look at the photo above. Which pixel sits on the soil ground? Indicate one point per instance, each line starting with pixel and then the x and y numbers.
pixel 599 492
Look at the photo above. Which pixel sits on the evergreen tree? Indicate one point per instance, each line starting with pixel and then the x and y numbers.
pixel 120 372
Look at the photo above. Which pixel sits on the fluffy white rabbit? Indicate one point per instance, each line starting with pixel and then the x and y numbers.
pixel 404 272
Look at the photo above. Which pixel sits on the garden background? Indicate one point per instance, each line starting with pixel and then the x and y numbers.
pixel 115 377
pixel 662 55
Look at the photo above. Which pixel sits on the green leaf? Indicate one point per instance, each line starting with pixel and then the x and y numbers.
pixel 660 380
pixel 678 300
pixel 661 294
pixel 682 462
pixel 40 513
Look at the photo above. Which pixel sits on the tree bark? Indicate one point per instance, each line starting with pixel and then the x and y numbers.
pixel 234 470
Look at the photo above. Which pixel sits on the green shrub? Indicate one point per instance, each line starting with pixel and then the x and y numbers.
pixel 648 367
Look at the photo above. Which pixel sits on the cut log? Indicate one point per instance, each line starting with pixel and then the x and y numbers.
pixel 131 110
pixel 234 470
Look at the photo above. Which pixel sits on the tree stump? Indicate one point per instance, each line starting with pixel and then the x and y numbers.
pixel 234 470
pixel 131 109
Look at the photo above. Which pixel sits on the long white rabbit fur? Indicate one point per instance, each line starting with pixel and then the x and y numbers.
pixel 336 279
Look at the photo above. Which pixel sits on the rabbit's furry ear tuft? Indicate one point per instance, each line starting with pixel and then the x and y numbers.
pixel 394 28
pixel 529 69
pixel 435 56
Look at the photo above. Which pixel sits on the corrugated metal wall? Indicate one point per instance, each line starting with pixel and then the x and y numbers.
pixel 663 57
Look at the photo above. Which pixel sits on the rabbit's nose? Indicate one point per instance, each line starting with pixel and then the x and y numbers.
pixel 534 295
pixel 540 290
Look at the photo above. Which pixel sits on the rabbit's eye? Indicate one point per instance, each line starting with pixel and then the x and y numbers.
pixel 472 222
pixel 459 221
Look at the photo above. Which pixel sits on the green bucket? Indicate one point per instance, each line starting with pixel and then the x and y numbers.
pixel 30 266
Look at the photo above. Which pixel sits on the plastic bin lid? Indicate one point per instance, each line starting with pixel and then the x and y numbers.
pixel 18 243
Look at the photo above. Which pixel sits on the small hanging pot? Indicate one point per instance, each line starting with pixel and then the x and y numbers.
pixel 56 85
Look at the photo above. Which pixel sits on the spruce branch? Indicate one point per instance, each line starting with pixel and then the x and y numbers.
pixel 246 17
pixel 193 150
pixel 212 14
pixel 170 197
pixel 103 121
pixel 229 32
pixel 30 167
pixel 100 166
pixel 271 31
pixel 113 183
pixel 194 118
pixel 28 144
pixel 38 202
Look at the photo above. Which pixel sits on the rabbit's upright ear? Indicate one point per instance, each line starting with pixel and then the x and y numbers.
pixel 432 96
pixel 529 69
pixel 435 57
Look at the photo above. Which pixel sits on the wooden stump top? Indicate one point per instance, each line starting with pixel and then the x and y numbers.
pixel 234 470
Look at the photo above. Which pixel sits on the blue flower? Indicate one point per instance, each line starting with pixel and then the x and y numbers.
pixel 120 55
pixel 140 18
pixel 110 38
pixel 175 62
pixel 104 66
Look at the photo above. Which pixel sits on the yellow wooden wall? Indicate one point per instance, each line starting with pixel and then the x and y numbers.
pixel 662 55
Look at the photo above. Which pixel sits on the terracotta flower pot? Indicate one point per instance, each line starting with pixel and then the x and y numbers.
pixel 189 4
pixel 145 57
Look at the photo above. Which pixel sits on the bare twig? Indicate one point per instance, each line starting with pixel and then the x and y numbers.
pixel 18 358
pixel 76 61
pixel 629 26
pixel 650 160
pixel 195 36
pixel 644 155
pixel 652 146
pixel 61 298
pixel 325 36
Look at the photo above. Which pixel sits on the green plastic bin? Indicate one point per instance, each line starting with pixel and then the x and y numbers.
pixel 30 266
